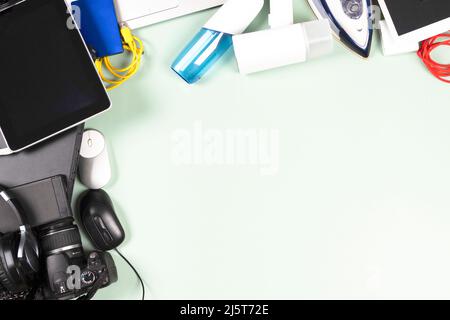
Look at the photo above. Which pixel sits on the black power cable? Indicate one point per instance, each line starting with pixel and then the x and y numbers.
pixel 135 271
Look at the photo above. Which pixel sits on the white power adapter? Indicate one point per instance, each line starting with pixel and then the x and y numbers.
pixel 284 44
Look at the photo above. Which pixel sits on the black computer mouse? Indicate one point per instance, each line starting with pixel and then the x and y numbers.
pixel 100 220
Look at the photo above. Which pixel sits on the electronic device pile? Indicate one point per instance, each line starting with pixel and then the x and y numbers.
pixel 43 143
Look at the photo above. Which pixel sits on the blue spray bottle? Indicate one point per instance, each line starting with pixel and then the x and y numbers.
pixel 215 38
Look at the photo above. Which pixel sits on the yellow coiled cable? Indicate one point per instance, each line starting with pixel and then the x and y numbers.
pixel 117 76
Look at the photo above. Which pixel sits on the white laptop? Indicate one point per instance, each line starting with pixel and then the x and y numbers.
pixel 140 13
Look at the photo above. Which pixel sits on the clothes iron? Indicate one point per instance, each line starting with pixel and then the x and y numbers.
pixel 350 21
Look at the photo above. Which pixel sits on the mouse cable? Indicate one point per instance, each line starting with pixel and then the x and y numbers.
pixel 439 70
pixel 118 75
pixel 135 271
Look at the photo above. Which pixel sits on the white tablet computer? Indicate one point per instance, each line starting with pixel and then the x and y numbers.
pixel 416 20
pixel 49 82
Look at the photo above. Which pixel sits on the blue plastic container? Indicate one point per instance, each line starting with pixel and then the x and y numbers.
pixel 99 26
pixel 201 53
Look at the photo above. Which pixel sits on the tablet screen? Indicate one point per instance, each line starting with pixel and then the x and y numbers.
pixel 48 81
pixel 410 15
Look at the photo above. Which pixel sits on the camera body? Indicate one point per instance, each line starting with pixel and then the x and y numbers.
pixel 67 271
pixel 69 281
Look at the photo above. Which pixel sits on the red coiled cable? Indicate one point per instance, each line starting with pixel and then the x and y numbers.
pixel 439 70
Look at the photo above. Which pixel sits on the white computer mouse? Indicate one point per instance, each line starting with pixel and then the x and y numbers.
pixel 94 169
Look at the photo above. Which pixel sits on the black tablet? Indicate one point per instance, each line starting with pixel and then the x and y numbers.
pixel 48 80
pixel 417 19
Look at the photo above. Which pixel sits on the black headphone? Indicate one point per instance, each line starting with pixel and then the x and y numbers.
pixel 19 251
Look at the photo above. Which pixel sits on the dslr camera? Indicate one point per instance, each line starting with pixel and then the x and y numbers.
pixel 69 273
pixel 48 262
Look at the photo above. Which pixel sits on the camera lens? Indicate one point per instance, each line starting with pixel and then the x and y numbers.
pixel 59 237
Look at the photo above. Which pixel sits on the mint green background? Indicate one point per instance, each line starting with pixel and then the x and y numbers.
pixel 359 209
